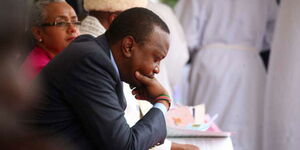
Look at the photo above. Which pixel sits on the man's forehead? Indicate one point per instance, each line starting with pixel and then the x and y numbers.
pixel 162 37
pixel 160 47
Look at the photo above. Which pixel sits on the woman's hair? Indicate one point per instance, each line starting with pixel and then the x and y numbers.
pixel 36 18
pixel 37 11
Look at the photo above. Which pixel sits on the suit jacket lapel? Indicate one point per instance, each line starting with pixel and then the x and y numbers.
pixel 102 41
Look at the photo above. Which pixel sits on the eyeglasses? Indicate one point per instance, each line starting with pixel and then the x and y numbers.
pixel 62 24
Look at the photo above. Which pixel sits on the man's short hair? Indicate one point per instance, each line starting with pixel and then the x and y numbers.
pixel 137 22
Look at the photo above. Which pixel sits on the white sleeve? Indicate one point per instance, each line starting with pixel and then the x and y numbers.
pixel 191 15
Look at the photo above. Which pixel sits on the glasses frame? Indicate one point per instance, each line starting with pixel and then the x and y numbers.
pixel 61 24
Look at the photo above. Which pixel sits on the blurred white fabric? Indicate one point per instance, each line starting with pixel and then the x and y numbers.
pixel 91 25
pixel 231 22
pixel 282 124
pixel 227 73
pixel 231 83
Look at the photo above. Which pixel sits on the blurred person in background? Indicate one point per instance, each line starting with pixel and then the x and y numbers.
pixel 282 130
pixel 15 93
pixel 54 24
pixel 227 74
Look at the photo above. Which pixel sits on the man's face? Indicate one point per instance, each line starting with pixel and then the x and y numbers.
pixel 147 56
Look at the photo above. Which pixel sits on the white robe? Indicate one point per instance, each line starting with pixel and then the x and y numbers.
pixel 282 130
pixel 227 73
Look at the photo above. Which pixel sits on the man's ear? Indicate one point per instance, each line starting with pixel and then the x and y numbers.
pixel 127 45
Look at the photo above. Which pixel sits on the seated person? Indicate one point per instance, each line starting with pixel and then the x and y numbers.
pixel 14 93
pixel 101 14
pixel 82 98
pixel 54 25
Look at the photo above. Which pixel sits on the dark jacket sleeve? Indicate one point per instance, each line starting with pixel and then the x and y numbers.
pixel 90 90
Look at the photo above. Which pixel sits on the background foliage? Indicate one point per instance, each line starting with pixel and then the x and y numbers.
pixel 171 3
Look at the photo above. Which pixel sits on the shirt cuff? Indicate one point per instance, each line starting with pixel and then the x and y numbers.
pixel 161 107
pixel 166 146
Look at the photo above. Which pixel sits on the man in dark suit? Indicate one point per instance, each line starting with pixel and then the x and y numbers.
pixel 83 98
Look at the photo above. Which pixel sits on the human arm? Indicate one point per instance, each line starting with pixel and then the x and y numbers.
pixel 94 94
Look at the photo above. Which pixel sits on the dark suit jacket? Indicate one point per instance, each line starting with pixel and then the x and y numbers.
pixel 83 101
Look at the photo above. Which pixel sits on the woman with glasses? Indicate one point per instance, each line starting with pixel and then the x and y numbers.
pixel 54 25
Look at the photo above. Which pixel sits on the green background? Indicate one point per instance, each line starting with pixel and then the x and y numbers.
pixel 170 2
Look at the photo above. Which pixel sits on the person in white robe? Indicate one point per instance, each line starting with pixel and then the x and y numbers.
pixel 227 73
pixel 282 125
pixel 110 9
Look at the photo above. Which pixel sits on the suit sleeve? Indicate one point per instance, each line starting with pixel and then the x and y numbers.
pixel 91 93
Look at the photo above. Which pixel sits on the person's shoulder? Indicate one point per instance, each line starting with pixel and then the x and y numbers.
pixel 84 46
pixel 84 42
pixel 84 38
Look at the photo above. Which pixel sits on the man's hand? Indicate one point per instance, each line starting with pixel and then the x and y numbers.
pixel 176 146
pixel 149 90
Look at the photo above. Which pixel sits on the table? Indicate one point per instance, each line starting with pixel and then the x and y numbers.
pixel 206 143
